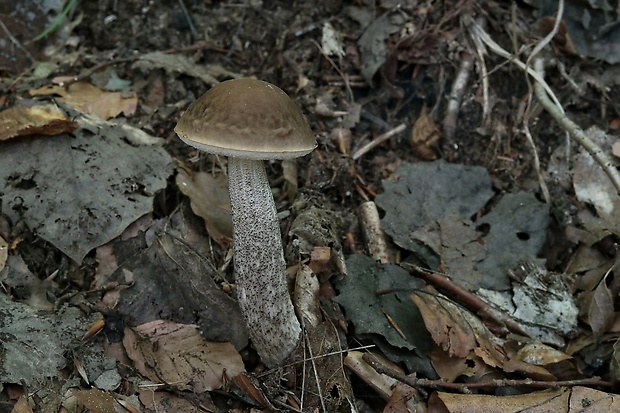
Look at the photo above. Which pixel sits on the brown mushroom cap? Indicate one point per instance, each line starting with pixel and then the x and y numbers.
pixel 246 118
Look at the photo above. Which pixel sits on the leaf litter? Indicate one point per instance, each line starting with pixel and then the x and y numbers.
pixel 79 191
pixel 496 243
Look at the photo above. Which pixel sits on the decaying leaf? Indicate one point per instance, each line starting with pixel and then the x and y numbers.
pixel 373 43
pixel 326 352
pixel 591 183
pixel 33 344
pixel 592 186
pixel 390 315
pixel 517 231
pixel 461 249
pixel 210 200
pixel 456 330
pixel 601 309
pixel 79 191
pixel 96 400
pixel 88 98
pixel 34 119
pixel 590 28
pixel 544 301
pixel 179 63
pixel 177 355
pixel 411 200
pixel 331 41
pixel 424 136
pixel 169 260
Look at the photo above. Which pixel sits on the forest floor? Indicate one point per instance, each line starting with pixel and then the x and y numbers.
pixel 451 243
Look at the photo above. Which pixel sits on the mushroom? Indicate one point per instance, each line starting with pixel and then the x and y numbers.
pixel 251 121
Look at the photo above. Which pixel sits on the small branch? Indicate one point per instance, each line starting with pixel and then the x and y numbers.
pixel 467 387
pixel 541 180
pixel 189 20
pixel 378 141
pixel 456 96
pixel 550 102
pixel 471 301
pixel 576 133
pixel 478 32
pixel 16 42
pixel 375 239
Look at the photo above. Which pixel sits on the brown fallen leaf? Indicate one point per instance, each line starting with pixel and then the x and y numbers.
pixel 424 136
pixel 22 406
pixel 601 309
pixel 456 330
pixel 209 200
pixel 555 400
pixel 88 98
pixel 34 119
pixel 444 320
pixel 176 354
pixel 168 402
pixel 96 400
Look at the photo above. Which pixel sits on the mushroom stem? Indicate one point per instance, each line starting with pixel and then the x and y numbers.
pixel 259 263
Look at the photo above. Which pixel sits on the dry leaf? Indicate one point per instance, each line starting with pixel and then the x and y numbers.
pixel 22 406
pixel 307 296
pixel 541 354
pixel 96 400
pixel 176 354
pixel 89 99
pixel 424 136
pixel 601 310
pixel 210 200
pixel 555 400
pixel 445 321
pixel 166 402
pixel 456 330
pixel 25 120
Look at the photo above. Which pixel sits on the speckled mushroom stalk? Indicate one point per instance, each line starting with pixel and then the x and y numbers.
pixel 251 121
pixel 259 263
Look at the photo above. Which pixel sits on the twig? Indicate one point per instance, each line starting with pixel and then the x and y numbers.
pixel 375 239
pixel 479 32
pixel 456 95
pixel 493 384
pixel 15 41
pixel 528 111
pixel 190 22
pixel 378 141
pixel 576 133
pixel 472 301
pixel 316 373
pixel 549 37
pixel 541 180
pixel 550 102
